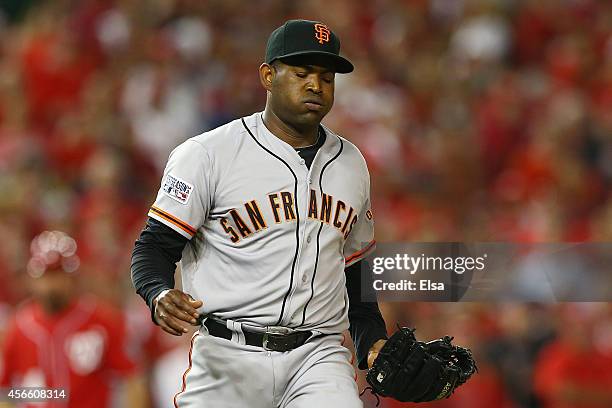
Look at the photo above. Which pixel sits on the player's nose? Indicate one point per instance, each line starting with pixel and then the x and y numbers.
pixel 314 84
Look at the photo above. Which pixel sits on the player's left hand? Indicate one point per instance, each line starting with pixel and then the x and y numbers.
pixel 374 350
pixel 413 371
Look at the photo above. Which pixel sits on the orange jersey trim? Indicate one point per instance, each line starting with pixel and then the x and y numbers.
pixel 172 219
pixel 360 253
pixel 352 361
pixel 186 371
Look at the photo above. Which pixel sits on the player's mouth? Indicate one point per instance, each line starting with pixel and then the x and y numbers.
pixel 313 104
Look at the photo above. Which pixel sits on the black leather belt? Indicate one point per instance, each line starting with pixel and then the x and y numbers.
pixel 269 338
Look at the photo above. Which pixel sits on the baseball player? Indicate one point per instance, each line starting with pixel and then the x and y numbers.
pixel 64 340
pixel 269 216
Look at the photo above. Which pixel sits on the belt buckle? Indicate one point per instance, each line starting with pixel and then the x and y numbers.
pixel 275 338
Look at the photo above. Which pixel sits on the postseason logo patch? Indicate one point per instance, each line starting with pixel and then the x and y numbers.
pixel 177 189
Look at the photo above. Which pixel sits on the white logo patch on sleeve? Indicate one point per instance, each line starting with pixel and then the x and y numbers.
pixel 177 189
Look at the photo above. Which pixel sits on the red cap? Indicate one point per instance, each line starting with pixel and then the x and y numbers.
pixel 52 251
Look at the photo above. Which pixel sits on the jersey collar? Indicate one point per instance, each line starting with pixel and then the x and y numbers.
pixel 284 149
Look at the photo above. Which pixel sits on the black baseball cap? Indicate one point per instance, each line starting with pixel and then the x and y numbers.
pixel 307 38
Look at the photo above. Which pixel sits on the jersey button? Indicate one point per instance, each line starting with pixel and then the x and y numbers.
pixel 308 239
pixel 304 278
pixel 302 162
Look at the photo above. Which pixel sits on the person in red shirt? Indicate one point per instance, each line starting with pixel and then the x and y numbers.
pixel 63 339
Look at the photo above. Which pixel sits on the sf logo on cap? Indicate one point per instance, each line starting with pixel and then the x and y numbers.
pixel 321 33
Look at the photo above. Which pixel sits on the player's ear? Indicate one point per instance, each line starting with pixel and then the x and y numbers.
pixel 266 74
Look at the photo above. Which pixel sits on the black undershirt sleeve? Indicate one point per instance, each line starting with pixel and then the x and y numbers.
pixel 154 259
pixel 366 324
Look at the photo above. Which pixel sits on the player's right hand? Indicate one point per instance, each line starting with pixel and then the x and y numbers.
pixel 174 309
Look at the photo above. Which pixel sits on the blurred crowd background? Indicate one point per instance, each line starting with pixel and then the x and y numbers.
pixel 481 120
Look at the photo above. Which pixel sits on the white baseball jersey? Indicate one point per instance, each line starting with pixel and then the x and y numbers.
pixel 270 238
